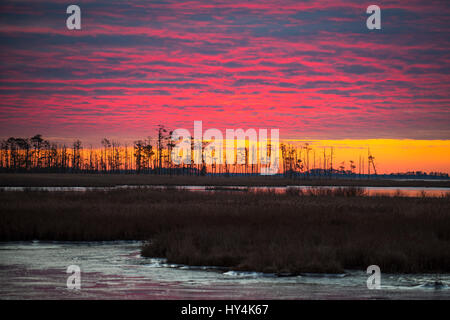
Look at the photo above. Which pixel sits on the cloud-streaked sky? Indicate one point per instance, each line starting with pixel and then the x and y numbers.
pixel 310 68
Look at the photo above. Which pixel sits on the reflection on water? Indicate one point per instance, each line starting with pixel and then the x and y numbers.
pixel 115 270
pixel 369 191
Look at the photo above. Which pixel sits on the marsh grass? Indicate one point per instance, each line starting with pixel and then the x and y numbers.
pixel 315 231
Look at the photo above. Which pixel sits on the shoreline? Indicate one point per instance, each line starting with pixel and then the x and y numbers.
pixel 111 180
pixel 107 274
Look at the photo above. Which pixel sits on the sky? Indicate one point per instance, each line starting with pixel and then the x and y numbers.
pixel 310 68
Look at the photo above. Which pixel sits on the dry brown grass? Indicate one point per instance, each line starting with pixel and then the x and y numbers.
pixel 325 231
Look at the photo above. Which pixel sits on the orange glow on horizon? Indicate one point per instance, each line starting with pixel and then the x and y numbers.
pixel 391 155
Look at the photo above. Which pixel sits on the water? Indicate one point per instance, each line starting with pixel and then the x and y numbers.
pixel 115 270
pixel 369 191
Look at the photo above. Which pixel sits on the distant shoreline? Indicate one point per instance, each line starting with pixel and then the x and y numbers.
pixel 110 180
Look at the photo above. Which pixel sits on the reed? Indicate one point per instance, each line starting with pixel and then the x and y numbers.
pixel 293 232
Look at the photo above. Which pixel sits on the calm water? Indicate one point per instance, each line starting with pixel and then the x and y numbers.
pixel 370 191
pixel 115 270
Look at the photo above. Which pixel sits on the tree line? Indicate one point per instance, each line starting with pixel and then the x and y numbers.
pixel 37 154
pixel 153 155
